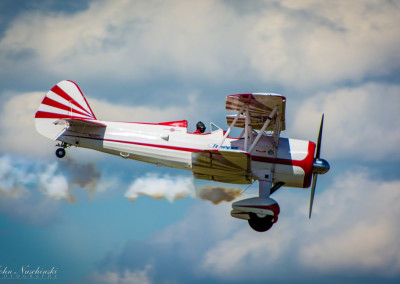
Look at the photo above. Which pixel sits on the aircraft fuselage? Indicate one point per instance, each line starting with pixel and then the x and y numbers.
pixel 170 144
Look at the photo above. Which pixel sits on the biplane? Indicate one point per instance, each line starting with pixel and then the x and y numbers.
pixel 258 154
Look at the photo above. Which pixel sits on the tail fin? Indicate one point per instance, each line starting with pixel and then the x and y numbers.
pixel 64 100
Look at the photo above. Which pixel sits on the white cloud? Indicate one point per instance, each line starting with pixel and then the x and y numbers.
pixel 356 249
pixel 362 215
pixel 305 44
pixel 137 38
pixel 245 250
pixel 138 276
pixel 353 232
pixel 360 122
pixel 30 209
pixel 325 42
pixel 114 112
pixel 203 225
pixel 17 128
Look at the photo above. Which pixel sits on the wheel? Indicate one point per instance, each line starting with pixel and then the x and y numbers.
pixel 60 153
pixel 260 224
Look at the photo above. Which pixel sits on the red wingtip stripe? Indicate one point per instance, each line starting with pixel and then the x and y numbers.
pixel 57 90
pixel 53 103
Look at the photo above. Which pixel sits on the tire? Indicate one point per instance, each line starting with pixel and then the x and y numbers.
pixel 260 224
pixel 60 153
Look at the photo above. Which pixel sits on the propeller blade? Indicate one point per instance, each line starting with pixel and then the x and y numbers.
pixel 314 183
pixel 319 138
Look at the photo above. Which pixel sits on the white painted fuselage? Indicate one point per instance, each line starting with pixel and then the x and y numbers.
pixel 170 144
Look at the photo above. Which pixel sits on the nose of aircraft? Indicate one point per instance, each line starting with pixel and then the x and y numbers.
pixel 320 166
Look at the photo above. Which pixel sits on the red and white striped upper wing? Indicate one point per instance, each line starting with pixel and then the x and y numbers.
pixel 260 105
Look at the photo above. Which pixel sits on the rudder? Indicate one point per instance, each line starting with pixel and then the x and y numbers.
pixel 64 100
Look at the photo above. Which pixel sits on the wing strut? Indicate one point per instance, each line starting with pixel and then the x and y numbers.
pixel 230 127
pixel 241 134
pixel 260 133
pixel 277 131
pixel 246 128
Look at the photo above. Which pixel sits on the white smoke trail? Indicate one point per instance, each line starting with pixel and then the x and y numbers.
pixel 167 187
pixel 177 187
pixel 217 194
pixel 55 179
pixel 54 185
pixel 83 175
pixel 13 180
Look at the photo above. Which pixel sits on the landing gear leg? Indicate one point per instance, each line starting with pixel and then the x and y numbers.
pixel 259 222
pixel 261 212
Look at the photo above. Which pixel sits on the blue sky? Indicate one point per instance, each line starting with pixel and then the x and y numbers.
pixel 169 60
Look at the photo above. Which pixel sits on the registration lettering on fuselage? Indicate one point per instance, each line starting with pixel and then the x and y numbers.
pixel 215 146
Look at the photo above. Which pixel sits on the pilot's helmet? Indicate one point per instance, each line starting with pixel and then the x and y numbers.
pixel 200 126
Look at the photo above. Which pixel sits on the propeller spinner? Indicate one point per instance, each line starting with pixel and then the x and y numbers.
pixel 320 166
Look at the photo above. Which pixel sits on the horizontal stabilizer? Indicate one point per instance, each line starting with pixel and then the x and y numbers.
pixel 76 122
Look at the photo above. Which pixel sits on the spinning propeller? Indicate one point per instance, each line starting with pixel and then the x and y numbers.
pixel 320 166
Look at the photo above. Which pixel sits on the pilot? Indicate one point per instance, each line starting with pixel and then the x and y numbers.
pixel 200 128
